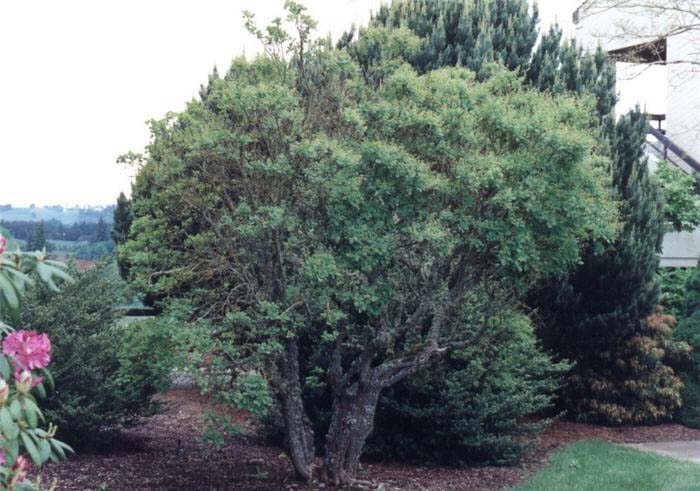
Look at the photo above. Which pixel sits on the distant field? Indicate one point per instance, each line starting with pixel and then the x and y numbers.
pixel 81 249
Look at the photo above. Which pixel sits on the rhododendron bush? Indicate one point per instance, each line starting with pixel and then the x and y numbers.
pixel 23 373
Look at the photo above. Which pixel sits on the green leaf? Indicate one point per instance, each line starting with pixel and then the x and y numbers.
pixel 41 390
pixel 58 448
pixel 15 409
pixel 31 410
pixel 44 450
pixel 5 369
pixel 9 292
pixel 48 377
pixel 31 449
pixel 9 428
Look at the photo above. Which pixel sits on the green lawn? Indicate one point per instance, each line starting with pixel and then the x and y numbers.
pixel 600 466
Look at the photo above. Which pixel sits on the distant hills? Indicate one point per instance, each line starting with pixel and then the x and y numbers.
pixel 65 215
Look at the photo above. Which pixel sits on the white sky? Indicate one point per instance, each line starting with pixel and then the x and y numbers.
pixel 81 77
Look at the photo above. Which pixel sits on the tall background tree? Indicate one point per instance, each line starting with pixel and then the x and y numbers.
pixel 37 241
pixel 598 317
pixel 123 216
pixel 475 33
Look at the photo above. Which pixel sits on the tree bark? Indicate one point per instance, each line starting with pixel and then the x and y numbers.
pixel 299 435
pixel 352 422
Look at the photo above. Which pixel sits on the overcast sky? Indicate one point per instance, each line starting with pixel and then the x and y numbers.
pixel 81 77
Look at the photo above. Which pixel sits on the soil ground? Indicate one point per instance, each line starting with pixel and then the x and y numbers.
pixel 166 452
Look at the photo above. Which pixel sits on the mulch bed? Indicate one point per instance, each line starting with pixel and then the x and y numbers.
pixel 167 452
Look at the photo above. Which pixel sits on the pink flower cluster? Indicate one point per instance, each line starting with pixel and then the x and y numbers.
pixel 29 349
pixel 19 468
pixel 3 244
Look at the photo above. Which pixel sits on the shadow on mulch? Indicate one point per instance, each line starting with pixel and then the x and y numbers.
pixel 166 453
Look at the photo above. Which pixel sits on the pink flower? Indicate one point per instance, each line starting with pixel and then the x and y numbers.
pixel 30 349
pixel 20 468
pixel 3 244
pixel 2 457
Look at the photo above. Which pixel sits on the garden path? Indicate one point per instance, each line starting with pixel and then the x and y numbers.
pixel 684 450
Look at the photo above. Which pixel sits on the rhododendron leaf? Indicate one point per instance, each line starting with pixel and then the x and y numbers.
pixel 32 411
pixel 48 377
pixel 60 448
pixel 31 417
pixel 5 369
pixel 9 292
pixel 5 328
pixel 9 427
pixel 31 448
pixel 44 450
pixel 45 275
pixel 15 409
pixel 12 448
pixel 41 390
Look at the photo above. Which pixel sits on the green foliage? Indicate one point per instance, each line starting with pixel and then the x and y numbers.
pixel 688 331
pixel 123 216
pixel 93 390
pixel 357 216
pixel 598 316
pixel 561 66
pixel 471 408
pixel 20 414
pixel 37 242
pixel 148 355
pixel 476 33
pixel 681 197
pixel 463 33
pixel 82 250
pixel 673 290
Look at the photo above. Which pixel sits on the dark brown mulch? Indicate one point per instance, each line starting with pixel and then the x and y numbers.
pixel 166 452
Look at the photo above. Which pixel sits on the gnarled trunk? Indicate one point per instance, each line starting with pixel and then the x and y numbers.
pixel 299 435
pixel 351 423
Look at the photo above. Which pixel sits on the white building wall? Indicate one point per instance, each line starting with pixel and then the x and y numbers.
pixel 683 120
pixel 673 89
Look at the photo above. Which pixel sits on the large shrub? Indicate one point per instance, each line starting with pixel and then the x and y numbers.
pixel 295 201
pixel 93 392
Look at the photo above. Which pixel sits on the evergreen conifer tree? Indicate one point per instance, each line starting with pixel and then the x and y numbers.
pixel 474 33
pixel 601 316
pixel 465 33
pixel 123 216
pixel 37 242
pixel 101 234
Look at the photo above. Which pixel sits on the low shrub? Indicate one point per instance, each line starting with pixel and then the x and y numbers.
pixel 471 409
pixel 688 331
pixel 146 356
pixel 95 391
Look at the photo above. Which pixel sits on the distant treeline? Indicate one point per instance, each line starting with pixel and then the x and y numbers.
pixel 55 230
